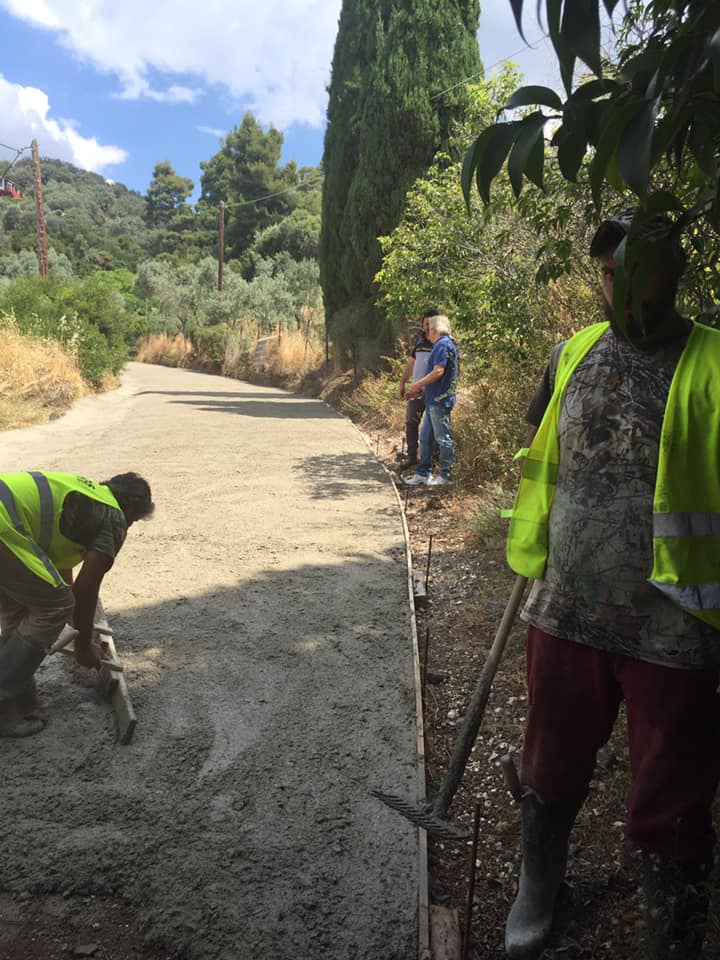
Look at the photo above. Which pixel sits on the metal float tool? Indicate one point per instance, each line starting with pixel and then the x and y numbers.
pixel 433 816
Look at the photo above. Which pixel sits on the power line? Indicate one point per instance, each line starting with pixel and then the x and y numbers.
pixel 474 76
pixel 270 196
pixel 18 153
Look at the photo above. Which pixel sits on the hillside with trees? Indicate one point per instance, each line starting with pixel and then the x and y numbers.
pixel 124 266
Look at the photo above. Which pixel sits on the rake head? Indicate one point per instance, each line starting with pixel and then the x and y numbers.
pixel 424 818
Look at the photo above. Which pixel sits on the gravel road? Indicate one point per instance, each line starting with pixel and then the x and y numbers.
pixel 263 621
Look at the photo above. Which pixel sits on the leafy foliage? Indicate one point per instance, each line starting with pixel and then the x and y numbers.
pixel 650 122
pixel 485 267
pixel 90 223
pixel 124 266
pixel 90 317
pixel 246 175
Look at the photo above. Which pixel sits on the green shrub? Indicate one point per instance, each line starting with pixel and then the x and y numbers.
pixel 211 346
pixel 89 316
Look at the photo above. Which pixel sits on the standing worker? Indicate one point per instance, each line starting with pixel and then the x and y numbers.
pixel 415 368
pixel 617 518
pixel 440 386
pixel 49 523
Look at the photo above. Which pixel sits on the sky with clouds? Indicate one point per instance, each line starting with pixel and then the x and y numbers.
pixel 116 87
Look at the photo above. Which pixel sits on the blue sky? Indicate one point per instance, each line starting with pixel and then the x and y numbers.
pixel 116 88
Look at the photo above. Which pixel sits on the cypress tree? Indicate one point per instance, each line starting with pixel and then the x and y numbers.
pixel 396 86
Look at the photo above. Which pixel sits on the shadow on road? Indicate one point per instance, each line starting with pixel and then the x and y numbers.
pixel 267 711
pixel 285 409
pixel 338 475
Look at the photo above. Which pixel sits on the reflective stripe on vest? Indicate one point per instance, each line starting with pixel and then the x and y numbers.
pixel 694 524
pixel 702 600
pixel 8 501
pixel 686 507
pixel 47 510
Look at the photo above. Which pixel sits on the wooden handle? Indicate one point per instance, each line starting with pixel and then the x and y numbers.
pixel 512 780
pixel 478 701
pixel 113 665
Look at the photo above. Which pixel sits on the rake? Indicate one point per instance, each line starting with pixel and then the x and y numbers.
pixel 433 816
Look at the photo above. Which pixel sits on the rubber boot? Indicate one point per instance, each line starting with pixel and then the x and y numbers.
pixel 27 702
pixel 12 724
pixel 19 659
pixel 546 832
pixel 677 899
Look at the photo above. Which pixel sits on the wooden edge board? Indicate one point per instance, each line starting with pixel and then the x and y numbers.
pixel 419 589
pixel 423 889
pixel 115 684
pixel 445 936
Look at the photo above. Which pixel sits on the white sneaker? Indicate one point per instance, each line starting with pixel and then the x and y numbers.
pixel 438 481
pixel 417 480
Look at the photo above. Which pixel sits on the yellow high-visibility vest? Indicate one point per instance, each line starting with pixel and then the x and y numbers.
pixel 30 508
pixel 686 505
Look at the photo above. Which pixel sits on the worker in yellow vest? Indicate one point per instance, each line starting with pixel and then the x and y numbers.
pixel 617 519
pixel 49 523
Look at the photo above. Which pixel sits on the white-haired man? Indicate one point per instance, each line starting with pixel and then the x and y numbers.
pixel 440 385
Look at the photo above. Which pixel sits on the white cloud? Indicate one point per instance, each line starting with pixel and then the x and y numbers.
pixel 26 116
pixel 35 11
pixel 174 94
pixel 213 131
pixel 272 57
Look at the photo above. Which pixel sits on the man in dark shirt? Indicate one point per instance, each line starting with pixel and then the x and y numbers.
pixel 49 523
pixel 415 368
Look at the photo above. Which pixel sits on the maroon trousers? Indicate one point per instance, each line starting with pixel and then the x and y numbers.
pixel 673 719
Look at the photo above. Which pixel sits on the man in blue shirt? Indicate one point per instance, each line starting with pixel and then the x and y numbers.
pixel 440 385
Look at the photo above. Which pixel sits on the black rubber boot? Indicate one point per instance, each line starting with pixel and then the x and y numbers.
pixel 19 659
pixel 677 898
pixel 13 724
pixel 546 832
pixel 27 702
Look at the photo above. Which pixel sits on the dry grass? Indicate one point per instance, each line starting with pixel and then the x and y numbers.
pixel 239 353
pixel 38 379
pixel 375 402
pixel 163 349
pixel 294 356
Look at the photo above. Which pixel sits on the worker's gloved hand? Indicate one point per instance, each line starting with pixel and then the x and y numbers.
pixel 90 657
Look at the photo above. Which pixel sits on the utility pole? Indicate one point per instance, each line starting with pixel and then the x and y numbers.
pixel 40 208
pixel 221 244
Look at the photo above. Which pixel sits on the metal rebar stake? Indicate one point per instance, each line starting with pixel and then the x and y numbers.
pixel 471 885
pixel 427 568
pixel 425 661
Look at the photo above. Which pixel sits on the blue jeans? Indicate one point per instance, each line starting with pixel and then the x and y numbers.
pixel 436 426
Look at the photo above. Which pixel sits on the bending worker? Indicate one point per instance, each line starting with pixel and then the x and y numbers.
pixel 49 523
pixel 617 519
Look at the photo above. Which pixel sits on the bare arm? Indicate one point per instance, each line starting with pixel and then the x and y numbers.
pixel 86 589
pixel 406 374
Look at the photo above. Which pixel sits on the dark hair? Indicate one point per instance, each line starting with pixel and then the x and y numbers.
pixel 133 494
pixel 431 312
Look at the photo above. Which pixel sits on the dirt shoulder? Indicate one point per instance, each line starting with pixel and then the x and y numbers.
pixel 263 620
